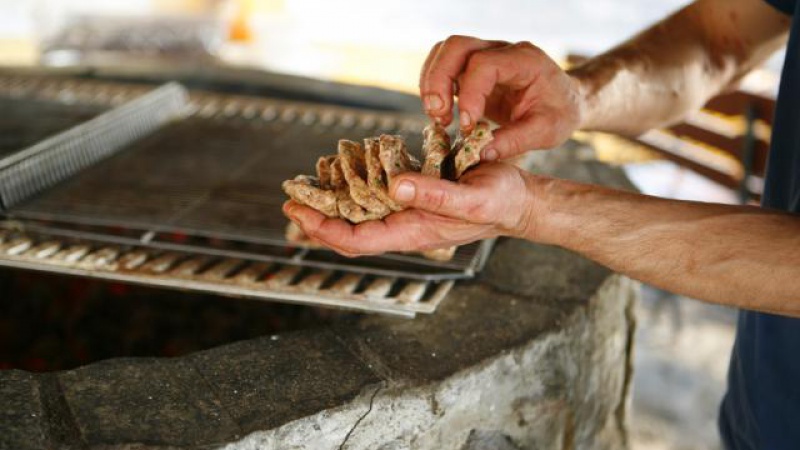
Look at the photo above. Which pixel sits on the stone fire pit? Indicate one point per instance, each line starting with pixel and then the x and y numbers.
pixel 534 354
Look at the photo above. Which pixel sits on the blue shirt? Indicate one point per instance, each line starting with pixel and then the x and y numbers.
pixel 761 409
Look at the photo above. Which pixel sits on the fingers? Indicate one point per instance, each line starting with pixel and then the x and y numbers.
pixel 515 139
pixel 545 128
pixel 513 66
pixel 424 71
pixel 443 69
pixel 399 232
pixel 442 197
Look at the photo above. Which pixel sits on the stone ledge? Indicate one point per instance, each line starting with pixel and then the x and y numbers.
pixel 22 407
pixel 567 388
pixel 263 383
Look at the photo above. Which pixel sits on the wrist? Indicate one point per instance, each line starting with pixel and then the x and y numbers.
pixel 582 89
pixel 533 222
pixel 550 213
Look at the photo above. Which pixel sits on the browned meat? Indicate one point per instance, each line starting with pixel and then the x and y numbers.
pixel 435 149
pixel 306 191
pixel 375 175
pixel 468 151
pixel 352 211
pixel 337 177
pixel 394 157
pixel 324 171
pixel 346 207
pixel 352 160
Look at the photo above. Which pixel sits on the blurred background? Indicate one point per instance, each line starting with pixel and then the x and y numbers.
pixel 683 345
pixel 377 43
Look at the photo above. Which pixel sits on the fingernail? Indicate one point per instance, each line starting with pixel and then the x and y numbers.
pixel 490 154
pixel 405 191
pixel 465 119
pixel 433 103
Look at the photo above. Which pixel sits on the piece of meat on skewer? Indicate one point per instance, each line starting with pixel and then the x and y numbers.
pixel 375 175
pixel 353 163
pixel 306 190
pixel 394 157
pixel 468 151
pixel 435 148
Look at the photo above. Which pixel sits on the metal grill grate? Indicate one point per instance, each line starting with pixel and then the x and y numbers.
pixel 227 276
pixel 194 203
pixel 44 164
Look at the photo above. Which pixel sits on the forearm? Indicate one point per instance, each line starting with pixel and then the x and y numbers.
pixel 735 255
pixel 678 64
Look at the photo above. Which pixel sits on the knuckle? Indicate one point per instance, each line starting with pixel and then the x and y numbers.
pixel 435 81
pixel 456 40
pixel 437 73
pixel 478 63
pixel 478 59
pixel 527 46
pixel 311 229
pixel 436 199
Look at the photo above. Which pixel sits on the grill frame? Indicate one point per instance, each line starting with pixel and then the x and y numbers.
pixel 436 278
pixel 224 276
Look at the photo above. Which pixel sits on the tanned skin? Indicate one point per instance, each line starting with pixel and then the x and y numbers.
pixel 741 256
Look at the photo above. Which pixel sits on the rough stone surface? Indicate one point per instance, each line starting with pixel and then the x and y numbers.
pixel 148 401
pixel 296 375
pixel 565 389
pixel 535 354
pixel 21 405
pixel 477 322
pixel 488 440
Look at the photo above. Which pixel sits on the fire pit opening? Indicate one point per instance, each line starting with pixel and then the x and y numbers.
pixel 51 322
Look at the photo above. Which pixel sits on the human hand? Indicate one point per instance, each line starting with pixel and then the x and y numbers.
pixel 493 199
pixel 517 85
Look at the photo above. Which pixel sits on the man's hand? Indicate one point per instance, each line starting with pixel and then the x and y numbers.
pixel 492 200
pixel 516 85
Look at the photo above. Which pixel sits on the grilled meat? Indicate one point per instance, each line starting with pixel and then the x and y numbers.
pixel 351 158
pixel 468 151
pixel 353 184
pixel 324 171
pixel 435 149
pixel 376 178
pixel 306 190
pixel 394 157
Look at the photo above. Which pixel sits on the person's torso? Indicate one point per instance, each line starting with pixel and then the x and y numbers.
pixel 762 407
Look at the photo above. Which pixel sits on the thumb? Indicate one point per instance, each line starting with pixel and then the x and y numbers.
pixel 438 196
